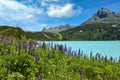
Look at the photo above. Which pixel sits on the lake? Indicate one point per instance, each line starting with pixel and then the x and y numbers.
pixel 109 48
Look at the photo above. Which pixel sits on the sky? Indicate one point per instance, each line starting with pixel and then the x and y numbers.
pixel 34 15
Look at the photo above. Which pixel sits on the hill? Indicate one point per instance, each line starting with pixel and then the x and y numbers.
pixel 45 36
pixel 12 31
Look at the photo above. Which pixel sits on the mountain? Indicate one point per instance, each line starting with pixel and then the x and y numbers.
pixel 103 25
pixel 58 28
pixel 104 15
pixel 51 34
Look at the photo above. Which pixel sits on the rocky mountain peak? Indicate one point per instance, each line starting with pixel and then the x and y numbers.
pixel 103 13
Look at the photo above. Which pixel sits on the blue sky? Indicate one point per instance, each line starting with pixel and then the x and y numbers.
pixel 34 15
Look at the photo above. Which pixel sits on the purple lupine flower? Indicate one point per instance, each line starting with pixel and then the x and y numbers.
pixel 65 48
pixel 31 50
pixel 96 56
pixel 99 56
pixel 79 52
pixel 60 48
pixel 30 44
pixel 81 73
pixel 111 58
pixel 37 58
pixel 2 37
pixel 69 51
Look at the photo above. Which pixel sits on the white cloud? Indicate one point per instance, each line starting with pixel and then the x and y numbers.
pixel 62 11
pixel 13 10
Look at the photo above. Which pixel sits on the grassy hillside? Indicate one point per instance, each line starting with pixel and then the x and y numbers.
pixel 97 31
pixel 44 36
pixel 12 31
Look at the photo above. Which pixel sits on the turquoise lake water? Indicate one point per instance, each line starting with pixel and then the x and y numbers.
pixel 109 48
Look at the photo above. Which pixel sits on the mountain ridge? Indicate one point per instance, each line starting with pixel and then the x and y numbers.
pixel 57 28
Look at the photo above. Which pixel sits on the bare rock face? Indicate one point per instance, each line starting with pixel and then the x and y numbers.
pixel 103 13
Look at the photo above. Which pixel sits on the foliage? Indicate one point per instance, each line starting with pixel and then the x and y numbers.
pixel 48 36
pixel 97 31
pixel 27 60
